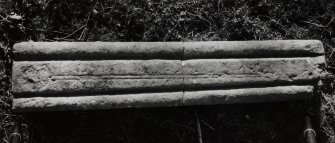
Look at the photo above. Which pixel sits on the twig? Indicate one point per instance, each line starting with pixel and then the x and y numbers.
pixel 5 140
pixel 46 5
pixel 4 120
pixel 315 24
pixel 199 16
pixel 62 39
pixel 2 17
pixel 59 32
pixel 331 54
pixel 67 4
pixel 5 19
pixel 6 104
pixel 88 18
pixel 209 126
pixel 168 34
pixel 82 33
pixel 330 21
pixel 73 32
pixel 198 126
pixel 319 25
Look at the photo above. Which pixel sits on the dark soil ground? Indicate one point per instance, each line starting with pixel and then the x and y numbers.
pixel 172 20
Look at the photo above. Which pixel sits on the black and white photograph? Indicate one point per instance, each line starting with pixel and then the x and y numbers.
pixel 167 71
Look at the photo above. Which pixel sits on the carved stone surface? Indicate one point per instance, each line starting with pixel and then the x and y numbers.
pixel 101 75
pixel 209 97
pixel 244 72
pixel 57 77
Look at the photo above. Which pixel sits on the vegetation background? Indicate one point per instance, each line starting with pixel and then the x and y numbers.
pixel 171 20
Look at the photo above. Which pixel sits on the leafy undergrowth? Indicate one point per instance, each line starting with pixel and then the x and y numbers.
pixel 176 20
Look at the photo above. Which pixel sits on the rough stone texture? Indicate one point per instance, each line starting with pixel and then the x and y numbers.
pixel 97 50
pixel 26 51
pixel 250 72
pixel 253 49
pixel 246 95
pixel 97 102
pixel 56 77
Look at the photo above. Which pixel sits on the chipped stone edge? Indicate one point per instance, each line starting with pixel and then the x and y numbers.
pixel 186 98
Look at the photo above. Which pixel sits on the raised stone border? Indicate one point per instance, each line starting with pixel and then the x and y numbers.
pixel 27 51
pixel 211 97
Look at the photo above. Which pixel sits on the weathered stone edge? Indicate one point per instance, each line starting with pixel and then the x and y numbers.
pixel 253 49
pixel 97 50
pixel 186 98
pixel 166 50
